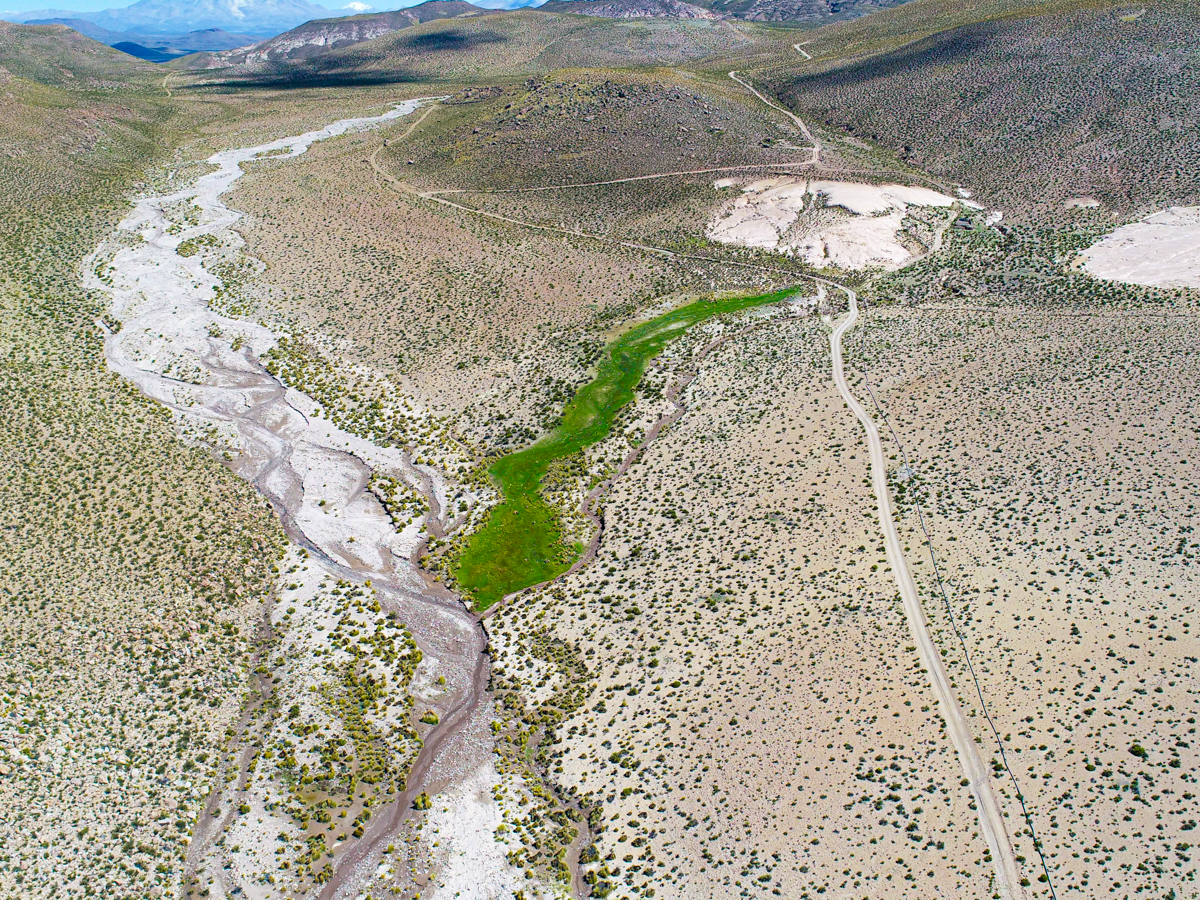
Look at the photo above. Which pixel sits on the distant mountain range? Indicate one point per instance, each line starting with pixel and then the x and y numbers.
pixel 152 47
pixel 322 35
pixel 631 9
pixel 260 18
pixel 295 30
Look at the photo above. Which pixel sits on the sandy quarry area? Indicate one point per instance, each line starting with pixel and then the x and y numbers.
pixel 1162 250
pixel 827 223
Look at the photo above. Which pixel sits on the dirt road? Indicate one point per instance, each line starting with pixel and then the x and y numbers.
pixel 991 818
pixel 795 119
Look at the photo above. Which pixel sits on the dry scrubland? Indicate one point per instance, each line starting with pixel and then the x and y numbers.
pixel 323 742
pixel 747 715
pixel 452 306
pixel 1051 424
pixel 489 324
pixel 1052 453
pixel 585 126
pixel 133 567
pixel 998 103
pixel 725 701
pixel 797 11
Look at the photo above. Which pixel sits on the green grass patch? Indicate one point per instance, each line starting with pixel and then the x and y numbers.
pixel 521 542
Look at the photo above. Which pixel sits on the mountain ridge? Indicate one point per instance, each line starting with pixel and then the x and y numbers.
pixel 322 35
pixel 257 18
pixel 631 9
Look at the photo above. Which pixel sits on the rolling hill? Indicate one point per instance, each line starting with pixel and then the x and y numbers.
pixel 1031 107
pixel 322 35
pixel 516 43
pixel 630 9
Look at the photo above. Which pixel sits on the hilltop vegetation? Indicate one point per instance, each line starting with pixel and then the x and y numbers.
pixel 1029 107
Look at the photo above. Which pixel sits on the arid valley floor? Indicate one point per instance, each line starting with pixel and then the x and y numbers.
pixel 636 454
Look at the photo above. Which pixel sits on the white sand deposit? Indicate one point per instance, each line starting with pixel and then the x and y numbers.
pixel 767 215
pixel 766 209
pixel 315 473
pixel 463 821
pixel 1162 250
pixel 874 199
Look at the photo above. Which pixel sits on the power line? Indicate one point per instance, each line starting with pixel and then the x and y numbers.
pixel 1037 844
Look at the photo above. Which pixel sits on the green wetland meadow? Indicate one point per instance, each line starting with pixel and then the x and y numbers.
pixel 521 543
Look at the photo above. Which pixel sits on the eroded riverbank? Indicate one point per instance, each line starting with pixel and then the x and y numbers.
pixel 205 367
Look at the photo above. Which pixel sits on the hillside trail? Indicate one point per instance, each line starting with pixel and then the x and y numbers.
pixel 613 181
pixel 795 119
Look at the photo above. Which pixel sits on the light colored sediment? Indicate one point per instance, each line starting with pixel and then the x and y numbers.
pixel 1162 250
pixel 205 368
pixel 463 821
pixel 828 223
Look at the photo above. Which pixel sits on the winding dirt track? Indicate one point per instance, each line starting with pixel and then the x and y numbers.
pixel 631 178
pixel 795 119
pixel 991 818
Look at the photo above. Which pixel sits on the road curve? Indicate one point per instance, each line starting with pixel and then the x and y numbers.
pixel 991 819
pixel 796 120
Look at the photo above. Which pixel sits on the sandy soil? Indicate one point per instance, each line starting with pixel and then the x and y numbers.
pixel 316 475
pixel 1052 454
pixel 1162 250
pixel 863 231
pixel 759 720
pixel 464 822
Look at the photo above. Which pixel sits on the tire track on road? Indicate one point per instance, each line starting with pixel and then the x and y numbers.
pixel 991 816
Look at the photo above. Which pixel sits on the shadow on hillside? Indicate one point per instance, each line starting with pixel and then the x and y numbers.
pixel 939 50
pixel 349 70
pixel 318 74
pixel 451 39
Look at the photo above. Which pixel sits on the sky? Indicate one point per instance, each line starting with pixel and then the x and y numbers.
pixel 13 6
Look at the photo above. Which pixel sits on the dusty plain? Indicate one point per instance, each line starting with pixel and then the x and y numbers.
pixel 723 698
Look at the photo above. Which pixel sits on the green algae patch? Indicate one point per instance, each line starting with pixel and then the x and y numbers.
pixel 521 542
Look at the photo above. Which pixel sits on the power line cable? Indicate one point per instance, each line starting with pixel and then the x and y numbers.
pixel 1037 844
